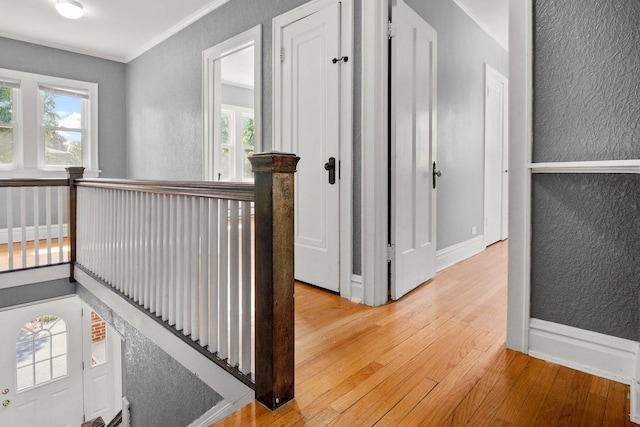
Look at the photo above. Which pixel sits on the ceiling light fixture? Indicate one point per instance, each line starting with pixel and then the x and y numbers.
pixel 69 8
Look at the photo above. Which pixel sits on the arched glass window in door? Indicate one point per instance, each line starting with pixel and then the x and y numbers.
pixel 41 352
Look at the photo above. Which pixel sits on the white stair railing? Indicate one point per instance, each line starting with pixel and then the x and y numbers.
pixel 180 250
pixel 33 226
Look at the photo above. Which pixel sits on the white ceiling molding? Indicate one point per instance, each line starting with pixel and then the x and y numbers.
pixel 118 30
pixel 175 29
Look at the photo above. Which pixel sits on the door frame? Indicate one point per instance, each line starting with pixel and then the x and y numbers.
pixel 374 152
pixel 504 149
pixel 520 137
pixel 348 287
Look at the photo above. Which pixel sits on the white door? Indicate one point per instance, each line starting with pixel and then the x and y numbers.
pixel 310 127
pixel 413 133
pixel 102 357
pixel 40 373
pixel 496 157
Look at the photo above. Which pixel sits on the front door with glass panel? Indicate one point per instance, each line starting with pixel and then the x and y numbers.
pixel 40 378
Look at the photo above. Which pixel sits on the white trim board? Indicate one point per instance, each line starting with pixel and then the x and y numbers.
pixel 591 352
pixel 34 275
pixel 31 233
pixel 459 252
pixel 235 393
pixel 374 151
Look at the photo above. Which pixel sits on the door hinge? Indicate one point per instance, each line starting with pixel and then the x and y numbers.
pixel 390 252
pixel 391 31
pixel 83 365
pixel 281 55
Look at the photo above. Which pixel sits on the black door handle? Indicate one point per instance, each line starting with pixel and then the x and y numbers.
pixel 436 174
pixel 331 167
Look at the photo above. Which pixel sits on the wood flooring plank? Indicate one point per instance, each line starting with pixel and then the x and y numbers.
pixel 551 408
pixel 436 357
pixel 615 410
pixel 493 373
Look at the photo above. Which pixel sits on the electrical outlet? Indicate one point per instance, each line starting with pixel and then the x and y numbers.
pixel 474 230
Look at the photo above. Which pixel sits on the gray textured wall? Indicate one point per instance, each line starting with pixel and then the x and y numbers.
pixel 463 49
pixel 110 77
pixel 585 251
pixel 163 118
pixel 164 91
pixel 35 292
pixel 161 391
pixel 587 80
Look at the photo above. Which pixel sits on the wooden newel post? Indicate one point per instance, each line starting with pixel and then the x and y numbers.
pixel 274 198
pixel 73 173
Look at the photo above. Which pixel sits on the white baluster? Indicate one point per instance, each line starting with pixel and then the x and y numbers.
pixel 23 226
pixel 10 226
pixel 61 202
pixel 234 285
pixel 48 220
pixel 36 226
pixel 193 267
pixel 247 289
pixel 203 276
pixel 214 283
pixel 223 290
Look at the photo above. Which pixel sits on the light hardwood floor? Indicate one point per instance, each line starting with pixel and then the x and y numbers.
pixel 30 254
pixel 435 358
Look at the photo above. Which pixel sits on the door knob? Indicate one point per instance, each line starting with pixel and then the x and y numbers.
pixel 331 167
pixel 5 403
pixel 5 391
pixel 436 174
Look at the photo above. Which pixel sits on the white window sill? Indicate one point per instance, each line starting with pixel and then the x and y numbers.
pixel 42 173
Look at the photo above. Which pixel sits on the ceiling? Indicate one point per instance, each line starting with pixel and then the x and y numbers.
pixel 121 30
pixel 491 15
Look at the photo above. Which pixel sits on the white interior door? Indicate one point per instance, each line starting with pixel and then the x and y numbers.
pixel 102 357
pixel 41 364
pixel 310 127
pixel 496 157
pixel 413 133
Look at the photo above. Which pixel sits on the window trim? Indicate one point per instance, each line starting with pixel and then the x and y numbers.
pixel 29 153
pixel 235 143
pixel 212 100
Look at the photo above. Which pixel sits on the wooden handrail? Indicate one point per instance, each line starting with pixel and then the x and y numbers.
pixel 33 182
pixel 225 190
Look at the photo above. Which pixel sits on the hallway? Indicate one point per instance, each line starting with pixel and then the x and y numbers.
pixel 435 357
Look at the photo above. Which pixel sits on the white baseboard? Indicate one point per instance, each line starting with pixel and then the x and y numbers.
pixel 591 352
pixel 357 290
pixel 217 413
pixel 31 233
pixel 235 394
pixel 459 252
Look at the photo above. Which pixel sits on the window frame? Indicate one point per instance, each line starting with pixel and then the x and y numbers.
pixel 235 143
pixel 212 97
pixel 14 85
pixel 29 140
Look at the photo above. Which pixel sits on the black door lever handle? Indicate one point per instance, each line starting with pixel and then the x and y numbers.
pixel 331 167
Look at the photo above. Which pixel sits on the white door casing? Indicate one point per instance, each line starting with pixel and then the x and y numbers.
pixel 102 381
pixel 55 403
pixel 313 119
pixel 413 140
pixel 496 161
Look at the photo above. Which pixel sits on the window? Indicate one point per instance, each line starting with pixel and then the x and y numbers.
pixel 7 121
pixel 237 143
pixel 41 352
pixel 98 340
pixel 46 124
pixel 232 106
